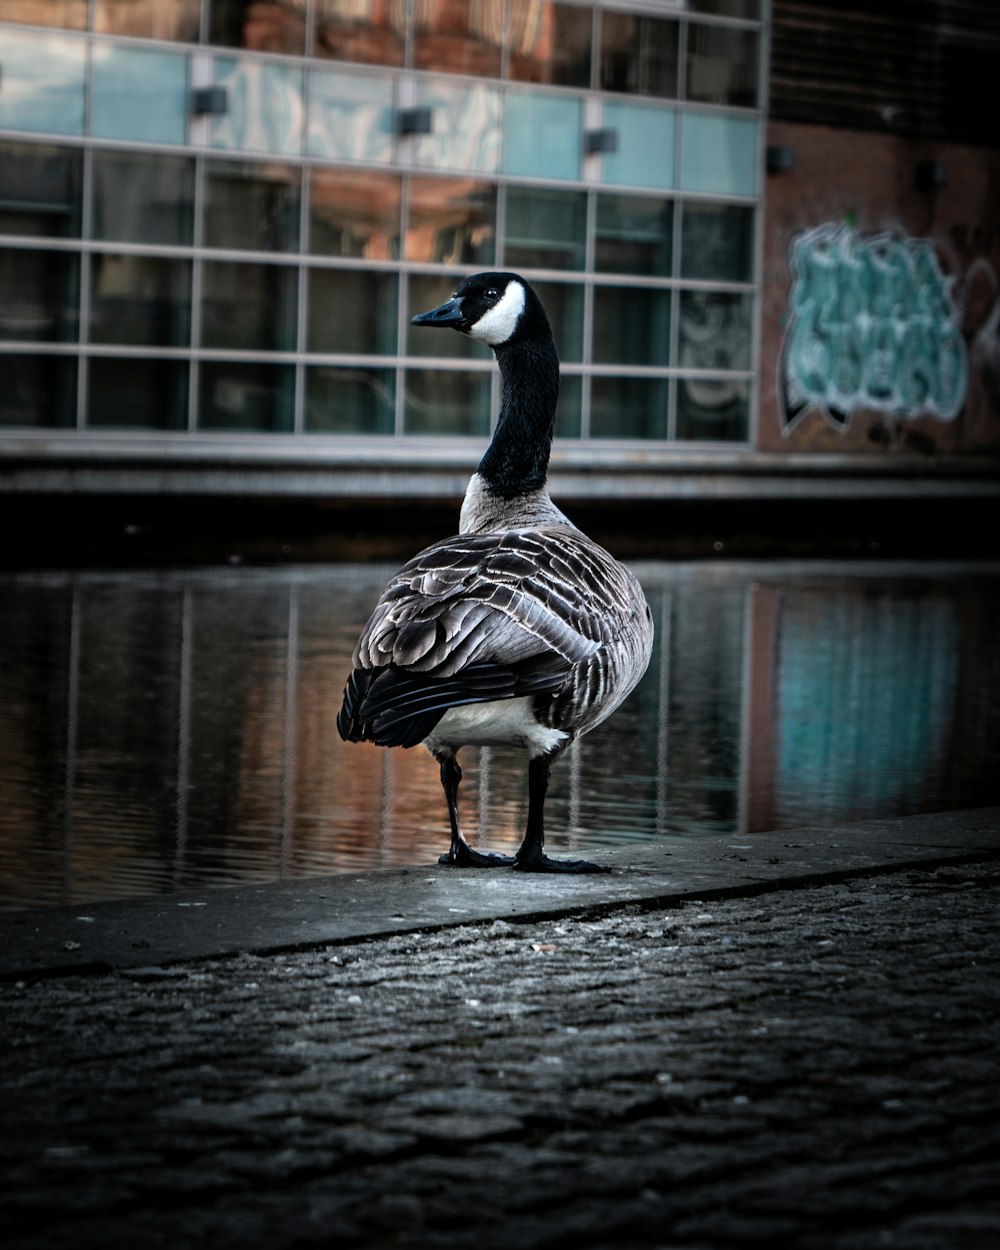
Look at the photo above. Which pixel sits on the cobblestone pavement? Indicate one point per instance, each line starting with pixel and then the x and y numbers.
pixel 810 1068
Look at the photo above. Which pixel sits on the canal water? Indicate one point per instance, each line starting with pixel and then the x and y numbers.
pixel 171 730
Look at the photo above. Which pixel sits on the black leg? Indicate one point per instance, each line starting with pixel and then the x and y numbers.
pixel 460 854
pixel 531 856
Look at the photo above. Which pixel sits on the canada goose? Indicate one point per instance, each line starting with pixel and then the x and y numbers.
pixel 517 631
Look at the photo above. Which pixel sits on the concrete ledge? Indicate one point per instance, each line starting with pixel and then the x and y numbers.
pixel 93 938
pixel 321 467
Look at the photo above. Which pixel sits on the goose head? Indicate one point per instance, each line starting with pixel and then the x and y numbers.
pixel 495 308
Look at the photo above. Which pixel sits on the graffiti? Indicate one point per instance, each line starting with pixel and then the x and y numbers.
pixel 714 334
pixel 873 325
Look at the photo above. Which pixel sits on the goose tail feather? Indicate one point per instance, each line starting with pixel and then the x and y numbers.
pixel 395 708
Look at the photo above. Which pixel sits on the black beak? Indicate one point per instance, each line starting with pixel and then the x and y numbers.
pixel 447 314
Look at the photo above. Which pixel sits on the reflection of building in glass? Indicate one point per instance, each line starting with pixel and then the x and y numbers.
pixel 219 216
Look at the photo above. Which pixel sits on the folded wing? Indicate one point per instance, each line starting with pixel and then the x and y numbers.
pixel 478 618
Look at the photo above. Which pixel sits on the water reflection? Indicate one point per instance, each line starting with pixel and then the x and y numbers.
pixel 169 730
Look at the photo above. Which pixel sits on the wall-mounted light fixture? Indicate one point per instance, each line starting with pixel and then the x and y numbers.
pixel 417 121
pixel 595 141
pixel 930 176
pixel 210 101
pixel 779 160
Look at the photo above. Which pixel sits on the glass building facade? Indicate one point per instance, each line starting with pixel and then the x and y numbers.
pixel 219 216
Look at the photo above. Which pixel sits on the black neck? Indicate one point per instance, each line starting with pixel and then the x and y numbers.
pixel 517 460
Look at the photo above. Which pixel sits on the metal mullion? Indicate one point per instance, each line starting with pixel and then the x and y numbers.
pixel 309 31
pixel 85 261
pixel 587 364
pixel 763 99
pixel 501 224
pixel 84 294
pixel 301 302
pixel 39 347
pixel 682 59
pixel 197 238
pixel 402 301
pixel 169 251
pixel 673 355
pixel 595 48
pixel 500 252
pixel 506 20
pixel 590 276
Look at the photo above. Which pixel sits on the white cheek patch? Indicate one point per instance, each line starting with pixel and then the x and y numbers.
pixel 498 323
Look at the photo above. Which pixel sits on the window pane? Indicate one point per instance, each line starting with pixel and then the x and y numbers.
pixel 714 330
pixel 722 65
pixel 262 27
pixel 140 299
pixel 542 135
pixel 638 54
pixel 629 407
pixel 426 292
pixel 550 43
pixel 350 401
pixel 564 305
pixel 166 19
pixel 634 235
pixel 143 199
pixel 445 401
pixel 70 14
pixel 452 221
pixel 39 295
pixel 42 83
pixel 234 395
pixel 136 93
pixel 351 118
pixel 713 411
pixel 359 32
pixel 248 306
pixel 264 107
pixel 40 190
pixel 38 391
pixel 645 155
pixel 137 394
pixel 352 310
pixel 253 208
pixel 631 326
pixel 719 154
pixel 458 38
pixel 466 127
pixel 717 242
pixel 354 213
pixel 726 8
pixel 545 229
pixel 568 414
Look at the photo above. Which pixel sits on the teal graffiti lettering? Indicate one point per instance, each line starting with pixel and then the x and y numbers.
pixel 872 325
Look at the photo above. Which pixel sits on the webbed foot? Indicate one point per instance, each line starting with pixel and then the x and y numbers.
pixel 463 856
pixel 540 862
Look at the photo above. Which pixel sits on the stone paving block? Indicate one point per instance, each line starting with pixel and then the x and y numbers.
pixel 708 1076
